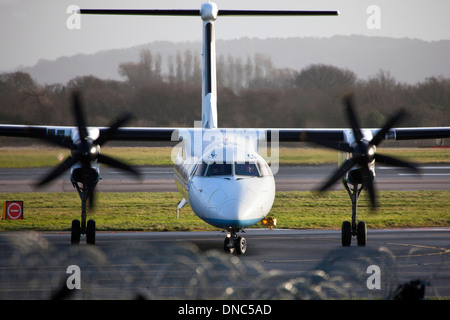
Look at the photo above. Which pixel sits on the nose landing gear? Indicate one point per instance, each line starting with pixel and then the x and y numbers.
pixel 234 243
pixel 83 227
pixel 352 229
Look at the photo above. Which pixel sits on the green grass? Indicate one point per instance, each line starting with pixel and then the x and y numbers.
pixel 161 156
pixel 419 155
pixel 33 157
pixel 399 209
pixel 157 211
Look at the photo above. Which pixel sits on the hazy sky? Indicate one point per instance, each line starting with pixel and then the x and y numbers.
pixel 31 30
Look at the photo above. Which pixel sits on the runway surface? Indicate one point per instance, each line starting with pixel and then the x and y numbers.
pixel 288 178
pixel 279 264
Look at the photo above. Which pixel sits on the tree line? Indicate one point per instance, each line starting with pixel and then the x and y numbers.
pixel 252 92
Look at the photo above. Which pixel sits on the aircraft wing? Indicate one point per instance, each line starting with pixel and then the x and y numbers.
pixel 282 134
pixel 312 135
pixel 269 134
pixel 65 132
pixel 419 133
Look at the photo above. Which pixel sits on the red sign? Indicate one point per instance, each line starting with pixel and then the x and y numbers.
pixel 13 210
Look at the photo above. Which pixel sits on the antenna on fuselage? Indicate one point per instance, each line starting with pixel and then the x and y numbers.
pixel 209 13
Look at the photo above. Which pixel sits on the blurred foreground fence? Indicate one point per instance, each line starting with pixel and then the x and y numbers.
pixel 32 268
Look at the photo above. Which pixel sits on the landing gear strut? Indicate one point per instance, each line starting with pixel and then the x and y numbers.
pixel 83 227
pixel 352 229
pixel 233 243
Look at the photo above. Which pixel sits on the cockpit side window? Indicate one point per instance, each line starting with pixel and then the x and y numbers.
pixel 246 169
pixel 219 169
pixel 200 169
pixel 264 168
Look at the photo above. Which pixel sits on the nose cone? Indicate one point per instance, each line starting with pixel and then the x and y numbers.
pixel 242 211
pixel 232 203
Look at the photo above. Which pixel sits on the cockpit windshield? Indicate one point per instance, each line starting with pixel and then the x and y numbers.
pixel 249 169
pixel 246 169
pixel 219 169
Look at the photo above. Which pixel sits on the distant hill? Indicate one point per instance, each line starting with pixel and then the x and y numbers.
pixel 407 60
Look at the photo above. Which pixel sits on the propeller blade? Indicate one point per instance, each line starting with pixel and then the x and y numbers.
pixel 338 174
pixel 396 162
pixel 350 110
pixel 69 162
pixel 91 193
pixel 368 182
pixel 117 164
pixel 78 111
pixel 107 134
pixel 382 133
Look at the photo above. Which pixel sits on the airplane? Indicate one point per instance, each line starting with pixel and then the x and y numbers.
pixel 221 172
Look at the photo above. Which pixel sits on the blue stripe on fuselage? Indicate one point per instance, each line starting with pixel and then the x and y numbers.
pixel 225 223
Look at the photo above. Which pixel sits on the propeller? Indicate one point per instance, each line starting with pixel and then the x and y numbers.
pixel 85 150
pixel 363 152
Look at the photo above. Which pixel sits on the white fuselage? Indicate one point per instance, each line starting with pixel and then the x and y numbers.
pixel 226 192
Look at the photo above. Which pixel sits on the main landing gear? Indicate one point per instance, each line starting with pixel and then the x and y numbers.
pixel 83 227
pixel 233 243
pixel 353 229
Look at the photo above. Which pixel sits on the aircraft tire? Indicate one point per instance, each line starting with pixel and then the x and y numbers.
pixel 346 235
pixel 75 232
pixel 361 233
pixel 90 232
pixel 241 245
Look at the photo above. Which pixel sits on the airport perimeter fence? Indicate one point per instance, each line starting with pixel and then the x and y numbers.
pixel 34 268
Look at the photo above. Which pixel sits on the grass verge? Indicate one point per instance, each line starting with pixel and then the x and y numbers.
pixel 157 211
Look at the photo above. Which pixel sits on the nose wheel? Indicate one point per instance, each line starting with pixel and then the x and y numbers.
pixel 353 228
pixel 78 229
pixel 234 243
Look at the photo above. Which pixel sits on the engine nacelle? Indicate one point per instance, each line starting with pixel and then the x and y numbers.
pixel 354 176
pixel 78 174
pixel 92 174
